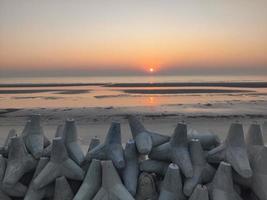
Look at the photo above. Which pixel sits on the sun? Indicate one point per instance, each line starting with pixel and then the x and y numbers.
pixel 151 69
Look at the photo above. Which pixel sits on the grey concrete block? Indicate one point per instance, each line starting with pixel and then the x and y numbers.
pixel 200 193
pixel 62 189
pixel 131 171
pixel 95 141
pixel 59 165
pixel 4 148
pixel 16 190
pixel 146 188
pixel 48 148
pixel 176 150
pixel 254 135
pixel 144 138
pixel 172 188
pixel 91 183
pixel 203 171
pixel 233 151
pixel 222 186
pixel 207 139
pixel 112 187
pixel 19 161
pixel 154 166
pixel 258 181
pixel 38 194
pixel 33 136
pixel 111 149
pixel 70 137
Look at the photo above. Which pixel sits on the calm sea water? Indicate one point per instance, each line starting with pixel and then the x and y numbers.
pixel 99 96
pixel 131 79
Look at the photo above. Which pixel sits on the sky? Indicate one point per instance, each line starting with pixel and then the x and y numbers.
pixel 130 37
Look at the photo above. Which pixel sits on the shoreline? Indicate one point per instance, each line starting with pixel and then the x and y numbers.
pixel 243 84
pixel 183 91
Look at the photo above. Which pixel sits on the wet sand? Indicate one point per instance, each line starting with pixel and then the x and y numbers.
pixel 182 91
pixel 250 84
pixel 30 91
pixel 194 84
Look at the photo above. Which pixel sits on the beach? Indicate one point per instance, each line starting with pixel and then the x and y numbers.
pixel 205 106
pixel 96 121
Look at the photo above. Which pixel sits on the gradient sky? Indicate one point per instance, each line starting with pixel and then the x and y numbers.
pixel 132 36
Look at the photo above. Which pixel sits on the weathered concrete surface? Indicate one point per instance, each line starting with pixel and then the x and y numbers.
pixel 38 194
pixel 222 186
pixel 70 137
pixel 200 193
pixel 154 166
pixel 208 140
pixel 258 181
pixel 19 161
pixel 4 148
pixel 233 151
pixel 33 136
pixel 62 189
pixel 59 165
pixel 172 188
pixel 176 150
pixel 131 171
pixel 146 187
pixel 112 187
pixel 95 141
pixel 144 138
pixel 16 190
pixel 92 182
pixel 48 148
pixel 203 171
pixel 254 135
pixel 111 149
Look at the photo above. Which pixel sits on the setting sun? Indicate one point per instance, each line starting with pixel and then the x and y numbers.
pixel 151 69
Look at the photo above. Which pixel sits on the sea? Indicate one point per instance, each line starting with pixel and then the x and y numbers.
pixel 128 91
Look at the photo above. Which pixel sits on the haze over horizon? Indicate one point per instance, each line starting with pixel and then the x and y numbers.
pixel 49 38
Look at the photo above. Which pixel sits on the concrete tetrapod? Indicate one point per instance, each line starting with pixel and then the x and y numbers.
pixel 33 136
pixel 144 138
pixel 59 165
pixel 4 148
pixel 111 149
pixel 70 138
pixel 59 133
pixel 3 196
pixel 254 135
pixel 176 150
pixel 39 194
pixel 62 189
pixel 258 181
pixel 203 171
pixel 19 161
pixel 208 140
pixel 95 141
pixel 112 187
pixel 154 166
pixel 131 171
pixel 233 151
pixel 172 188
pixel 91 183
pixel 16 190
pixel 146 188
pixel 200 193
pixel 222 187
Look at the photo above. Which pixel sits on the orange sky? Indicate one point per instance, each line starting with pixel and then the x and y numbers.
pixel 132 35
